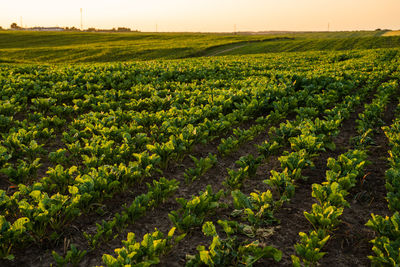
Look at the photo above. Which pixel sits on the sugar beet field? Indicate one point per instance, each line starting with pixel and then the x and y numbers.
pixel 264 160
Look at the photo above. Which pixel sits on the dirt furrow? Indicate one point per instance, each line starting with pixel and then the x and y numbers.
pixel 349 246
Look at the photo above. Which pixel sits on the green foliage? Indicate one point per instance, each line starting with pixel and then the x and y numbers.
pixel 295 162
pixel 11 234
pixel 324 217
pixel 86 47
pixel 144 253
pixel 388 226
pixel 392 186
pixel 306 112
pixel 59 178
pixel 250 164
pixel 282 183
pixel 228 146
pixel 268 149
pixel 386 245
pixel 235 178
pixel 23 172
pixel 284 132
pixel 111 127
pixel 341 42
pixel 347 168
pixel 309 248
pixel 73 257
pixel 230 251
pixel 44 212
pixel 157 193
pixel 104 231
pixel 194 211
pixel 165 151
pixel 59 156
pixel 309 143
pixel 258 209
pixel 331 194
pixel 202 165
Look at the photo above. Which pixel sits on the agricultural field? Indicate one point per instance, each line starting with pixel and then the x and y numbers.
pixel 71 47
pixel 391 33
pixel 274 159
pixel 78 47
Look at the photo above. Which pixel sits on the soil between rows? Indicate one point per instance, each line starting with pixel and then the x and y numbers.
pixel 40 254
pixel 351 245
pixel 291 215
pixel 284 238
pixel 284 234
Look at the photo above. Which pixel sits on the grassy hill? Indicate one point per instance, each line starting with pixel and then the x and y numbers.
pixel 392 33
pixel 81 47
pixel 60 47
pixel 302 45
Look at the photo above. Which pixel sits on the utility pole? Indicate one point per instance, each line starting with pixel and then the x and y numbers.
pixel 81 21
pixel 234 29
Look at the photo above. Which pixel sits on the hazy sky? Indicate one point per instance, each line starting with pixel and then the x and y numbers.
pixel 205 15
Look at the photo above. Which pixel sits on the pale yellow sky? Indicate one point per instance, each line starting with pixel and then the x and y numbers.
pixel 206 15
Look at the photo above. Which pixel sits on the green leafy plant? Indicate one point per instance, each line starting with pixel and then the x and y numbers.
pixel 250 164
pixel 235 178
pixel 268 149
pixel 230 251
pixel 194 211
pixel 312 144
pixel 10 234
pixel 331 194
pixel 324 217
pixel 295 162
pixel 158 192
pixel 23 171
pixel 73 257
pixel 282 183
pixel 144 253
pixel 228 146
pixel 202 165
pixel 165 151
pixel 386 245
pixel 309 248
pixel 258 209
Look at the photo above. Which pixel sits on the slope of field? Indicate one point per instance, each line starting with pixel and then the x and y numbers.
pixel 70 47
pixel 391 33
pixel 309 44
pixel 209 161
pixel 60 47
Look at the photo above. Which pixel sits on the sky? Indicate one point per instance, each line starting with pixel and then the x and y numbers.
pixel 206 15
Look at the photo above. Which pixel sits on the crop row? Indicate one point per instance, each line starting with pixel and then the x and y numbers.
pixel 129 123
pixel 386 245
pixel 256 209
pixel 107 228
pixel 342 175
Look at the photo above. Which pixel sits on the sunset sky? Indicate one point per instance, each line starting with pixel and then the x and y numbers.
pixel 206 15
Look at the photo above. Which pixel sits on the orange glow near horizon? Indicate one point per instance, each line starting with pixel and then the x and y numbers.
pixel 206 15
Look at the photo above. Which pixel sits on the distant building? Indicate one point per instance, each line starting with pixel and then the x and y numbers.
pixel 48 29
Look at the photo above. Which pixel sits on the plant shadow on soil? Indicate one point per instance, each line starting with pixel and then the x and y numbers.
pixel 349 245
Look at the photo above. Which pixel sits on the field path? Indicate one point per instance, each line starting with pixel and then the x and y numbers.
pixel 226 50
